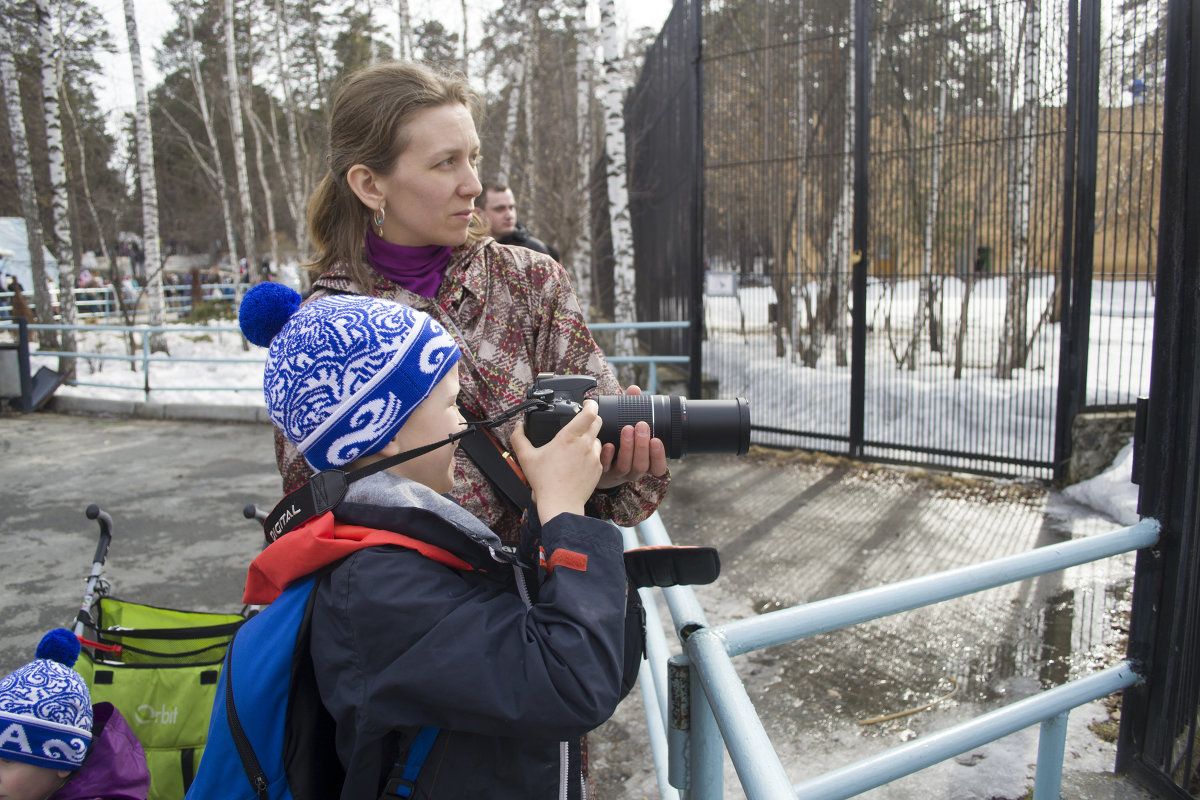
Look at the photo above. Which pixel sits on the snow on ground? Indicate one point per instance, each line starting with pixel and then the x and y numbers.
pixel 1111 493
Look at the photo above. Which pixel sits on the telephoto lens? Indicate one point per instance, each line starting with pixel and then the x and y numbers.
pixel 684 426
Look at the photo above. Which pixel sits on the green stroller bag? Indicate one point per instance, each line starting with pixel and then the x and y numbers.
pixel 159 667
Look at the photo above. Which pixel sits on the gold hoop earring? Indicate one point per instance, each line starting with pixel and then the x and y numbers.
pixel 379 221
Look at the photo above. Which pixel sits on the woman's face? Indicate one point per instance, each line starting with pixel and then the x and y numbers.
pixel 429 193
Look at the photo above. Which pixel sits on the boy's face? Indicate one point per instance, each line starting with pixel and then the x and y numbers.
pixel 21 781
pixel 436 418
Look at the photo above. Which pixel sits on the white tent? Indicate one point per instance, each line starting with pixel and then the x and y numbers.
pixel 13 238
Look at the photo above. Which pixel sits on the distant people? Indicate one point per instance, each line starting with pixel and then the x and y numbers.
pixel 498 208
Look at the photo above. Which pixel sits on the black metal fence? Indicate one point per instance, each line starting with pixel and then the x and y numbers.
pixel 664 201
pixel 1160 719
pixel 927 230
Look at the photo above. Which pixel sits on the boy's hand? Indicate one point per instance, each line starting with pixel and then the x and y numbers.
pixel 563 472
pixel 638 455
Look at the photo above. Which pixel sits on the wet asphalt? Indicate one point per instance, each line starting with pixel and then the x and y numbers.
pixel 791 528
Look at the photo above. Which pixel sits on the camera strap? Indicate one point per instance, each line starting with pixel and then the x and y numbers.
pixel 324 490
pixel 496 464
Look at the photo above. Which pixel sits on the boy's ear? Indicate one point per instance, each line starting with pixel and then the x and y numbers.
pixel 362 182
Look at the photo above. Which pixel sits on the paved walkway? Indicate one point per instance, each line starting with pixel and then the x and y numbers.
pixel 790 529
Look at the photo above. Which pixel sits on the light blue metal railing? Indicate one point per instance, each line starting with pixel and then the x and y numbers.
pixel 710 709
pixel 653 361
pixel 99 302
pixel 146 359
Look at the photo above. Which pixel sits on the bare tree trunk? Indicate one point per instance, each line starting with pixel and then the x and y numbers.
pixel 218 166
pixel 529 165
pixel 256 129
pixel 42 294
pixel 510 122
pixel 807 349
pixel 64 247
pixel 145 153
pixel 239 145
pixel 843 243
pixel 581 253
pixel 618 188
pixel 404 44
pixel 296 193
pixel 1014 349
pixel 466 68
pixel 925 298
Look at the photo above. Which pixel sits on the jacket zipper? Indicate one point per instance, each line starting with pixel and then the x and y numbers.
pixel 564 772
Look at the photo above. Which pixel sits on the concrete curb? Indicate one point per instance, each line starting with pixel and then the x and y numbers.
pixel 140 409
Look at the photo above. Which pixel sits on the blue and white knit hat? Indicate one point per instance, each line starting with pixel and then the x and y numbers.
pixel 45 708
pixel 343 372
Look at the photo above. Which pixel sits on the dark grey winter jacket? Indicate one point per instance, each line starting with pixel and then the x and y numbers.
pixel 512 664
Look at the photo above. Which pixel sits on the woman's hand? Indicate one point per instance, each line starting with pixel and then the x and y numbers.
pixel 563 472
pixel 639 454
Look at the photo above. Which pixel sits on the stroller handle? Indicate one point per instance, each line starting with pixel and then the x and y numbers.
pixel 89 594
pixel 106 526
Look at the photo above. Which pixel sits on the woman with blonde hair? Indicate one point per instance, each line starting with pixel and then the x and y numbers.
pixel 393 218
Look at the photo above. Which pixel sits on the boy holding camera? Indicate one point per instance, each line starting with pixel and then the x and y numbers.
pixel 420 618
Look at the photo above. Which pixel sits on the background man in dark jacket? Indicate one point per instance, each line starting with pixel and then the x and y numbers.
pixel 498 208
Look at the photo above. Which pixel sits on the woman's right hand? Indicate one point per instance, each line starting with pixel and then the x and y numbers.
pixel 563 472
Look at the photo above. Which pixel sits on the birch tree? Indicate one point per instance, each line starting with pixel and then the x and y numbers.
pixel 466 71
pixel 529 165
pixel 841 243
pixel 1014 347
pixel 256 132
pixel 624 287
pixel 217 169
pixel 925 300
pixel 985 189
pixel 42 294
pixel 404 43
pixel 239 146
pixel 296 190
pixel 63 246
pixel 581 251
pixel 145 158
pixel 808 352
pixel 510 124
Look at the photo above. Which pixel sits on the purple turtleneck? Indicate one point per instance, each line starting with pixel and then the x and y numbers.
pixel 418 269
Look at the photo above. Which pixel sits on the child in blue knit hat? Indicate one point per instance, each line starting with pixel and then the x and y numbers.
pixel 420 618
pixel 54 744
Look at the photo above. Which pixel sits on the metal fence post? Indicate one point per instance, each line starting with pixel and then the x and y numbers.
pixel 1052 745
pixel 146 363
pixel 861 218
pixel 706 762
pixel 23 366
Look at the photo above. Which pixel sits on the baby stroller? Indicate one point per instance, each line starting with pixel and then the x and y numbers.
pixel 158 666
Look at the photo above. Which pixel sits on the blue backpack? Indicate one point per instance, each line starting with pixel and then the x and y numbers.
pixel 277 741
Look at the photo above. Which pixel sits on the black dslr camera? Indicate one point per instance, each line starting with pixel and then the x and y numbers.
pixel 684 426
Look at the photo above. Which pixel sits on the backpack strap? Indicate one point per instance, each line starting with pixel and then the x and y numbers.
pixel 245 750
pixel 496 464
pixel 402 779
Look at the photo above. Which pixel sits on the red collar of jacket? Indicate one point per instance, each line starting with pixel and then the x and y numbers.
pixel 319 542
